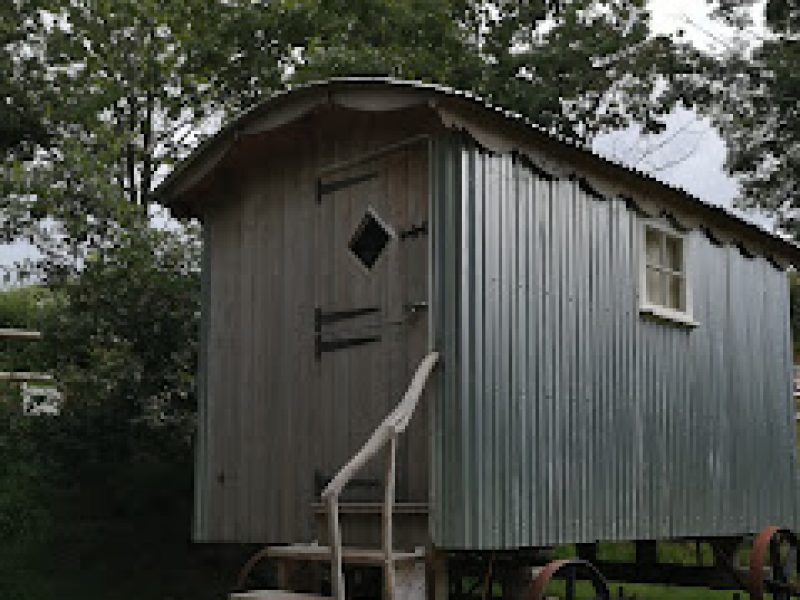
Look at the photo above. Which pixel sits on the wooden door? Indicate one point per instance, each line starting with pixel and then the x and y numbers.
pixel 371 317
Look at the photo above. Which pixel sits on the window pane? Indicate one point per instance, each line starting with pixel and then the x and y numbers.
pixel 655 287
pixel 674 253
pixel 667 291
pixel 653 246
pixel 369 240
pixel 676 293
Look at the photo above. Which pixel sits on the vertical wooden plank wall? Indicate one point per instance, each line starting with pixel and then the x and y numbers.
pixel 264 433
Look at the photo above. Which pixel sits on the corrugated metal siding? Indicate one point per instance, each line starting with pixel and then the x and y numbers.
pixel 563 415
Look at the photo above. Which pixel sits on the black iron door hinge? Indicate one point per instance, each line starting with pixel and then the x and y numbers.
pixel 331 344
pixel 334 186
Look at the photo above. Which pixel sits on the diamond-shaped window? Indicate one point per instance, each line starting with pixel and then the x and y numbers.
pixel 369 240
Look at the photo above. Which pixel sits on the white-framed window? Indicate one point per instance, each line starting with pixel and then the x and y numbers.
pixel 665 285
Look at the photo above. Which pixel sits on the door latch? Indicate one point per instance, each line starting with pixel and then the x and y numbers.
pixel 416 307
pixel 414 231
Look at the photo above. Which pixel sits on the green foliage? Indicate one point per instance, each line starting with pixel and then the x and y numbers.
pixel 583 67
pixel 418 39
pixel 760 113
pixel 93 508
pixel 21 120
pixel 25 307
pixel 22 308
pixel 576 67
pixel 106 76
pixel 129 86
pixel 23 511
pixel 104 489
pixel 124 334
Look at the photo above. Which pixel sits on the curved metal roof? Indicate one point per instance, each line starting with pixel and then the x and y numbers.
pixel 229 133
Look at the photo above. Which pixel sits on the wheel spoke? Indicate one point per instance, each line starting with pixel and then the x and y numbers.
pixel 570 587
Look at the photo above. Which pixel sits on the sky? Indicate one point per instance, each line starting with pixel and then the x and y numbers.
pixel 693 158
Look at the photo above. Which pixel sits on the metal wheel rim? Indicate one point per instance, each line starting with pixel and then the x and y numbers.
pixel 762 551
pixel 539 585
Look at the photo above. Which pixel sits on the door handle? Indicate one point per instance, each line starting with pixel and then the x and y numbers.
pixel 415 307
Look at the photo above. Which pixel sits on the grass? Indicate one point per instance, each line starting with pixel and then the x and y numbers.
pixel 645 592
pixel 115 561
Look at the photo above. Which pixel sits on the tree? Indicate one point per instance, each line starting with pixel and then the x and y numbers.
pixel 760 114
pixel 111 475
pixel 429 40
pixel 22 308
pixel 576 68
pixel 122 335
pixel 21 120
pixel 113 74
pixel 132 85
pixel 583 67
pixel 129 87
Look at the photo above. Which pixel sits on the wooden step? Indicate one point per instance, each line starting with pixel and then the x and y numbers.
pixel 275 595
pixel 350 555
pixel 361 524
pixel 373 508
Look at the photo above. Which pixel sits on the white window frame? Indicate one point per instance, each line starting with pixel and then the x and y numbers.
pixel 681 317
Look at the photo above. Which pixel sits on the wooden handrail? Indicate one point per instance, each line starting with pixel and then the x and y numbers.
pixel 397 421
pixel 386 433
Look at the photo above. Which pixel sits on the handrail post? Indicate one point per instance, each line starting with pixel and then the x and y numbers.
pixel 335 535
pixel 388 506
pixel 385 435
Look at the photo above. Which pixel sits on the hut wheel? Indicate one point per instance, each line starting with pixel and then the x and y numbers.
pixel 571 571
pixel 244 574
pixel 774 566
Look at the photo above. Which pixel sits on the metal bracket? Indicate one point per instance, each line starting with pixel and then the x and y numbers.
pixel 415 307
pixel 415 231
pixel 326 318
pixel 321 480
pixel 340 184
pixel 323 346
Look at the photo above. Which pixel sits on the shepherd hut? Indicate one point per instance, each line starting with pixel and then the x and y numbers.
pixel 608 357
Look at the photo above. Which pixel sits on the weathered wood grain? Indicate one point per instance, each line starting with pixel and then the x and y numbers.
pixel 278 422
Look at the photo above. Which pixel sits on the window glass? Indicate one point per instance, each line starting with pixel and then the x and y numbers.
pixel 369 240
pixel 665 280
pixel 655 294
pixel 674 253
pixel 653 241
pixel 676 294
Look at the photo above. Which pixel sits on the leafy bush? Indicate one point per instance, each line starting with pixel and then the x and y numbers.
pixel 105 487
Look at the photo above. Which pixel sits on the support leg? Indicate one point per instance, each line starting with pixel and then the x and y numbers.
pixel 284 570
pixel 438 587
